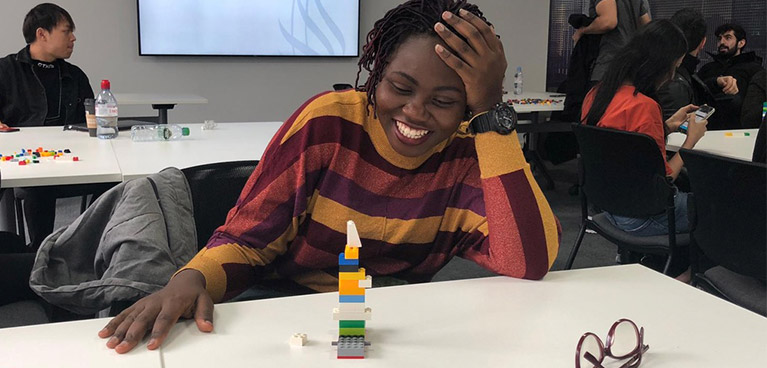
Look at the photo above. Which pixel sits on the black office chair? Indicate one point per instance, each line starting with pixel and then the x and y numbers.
pixel 215 189
pixel 729 217
pixel 623 173
pixel 19 306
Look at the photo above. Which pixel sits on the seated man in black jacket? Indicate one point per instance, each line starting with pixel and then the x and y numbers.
pixel 37 87
pixel 729 75
pixel 680 91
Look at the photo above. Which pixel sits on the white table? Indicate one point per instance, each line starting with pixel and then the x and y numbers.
pixel 97 164
pixel 738 144
pixel 227 142
pixel 121 159
pixel 162 102
pixel 489 322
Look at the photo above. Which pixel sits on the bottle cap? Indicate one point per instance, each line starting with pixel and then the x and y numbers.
pixel 105 84
pixel 184 131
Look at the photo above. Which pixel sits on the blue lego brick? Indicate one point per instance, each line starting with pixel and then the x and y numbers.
pixel 342 261
pixel 351 298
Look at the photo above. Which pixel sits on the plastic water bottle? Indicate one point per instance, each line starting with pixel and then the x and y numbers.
pixel 518 81
pixel 157 132
pixel 106 112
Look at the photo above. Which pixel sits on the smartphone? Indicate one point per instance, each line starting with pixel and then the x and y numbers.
pixel 8 130
pixel 702 113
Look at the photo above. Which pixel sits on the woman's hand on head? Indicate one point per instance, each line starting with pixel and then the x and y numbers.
pixel 683 114
pixel 481 63
pixel 184 296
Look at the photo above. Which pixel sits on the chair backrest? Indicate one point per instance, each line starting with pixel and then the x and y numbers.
pixel 215 189
pixel 622 172
pixel 730 211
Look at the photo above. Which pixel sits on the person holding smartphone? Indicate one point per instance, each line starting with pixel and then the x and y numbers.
pixel 625 100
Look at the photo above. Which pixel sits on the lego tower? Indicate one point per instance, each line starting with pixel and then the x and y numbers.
pixel 351 313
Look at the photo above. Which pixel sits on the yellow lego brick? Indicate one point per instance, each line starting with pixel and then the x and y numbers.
pixel 359 275
pixel 350 287
pixel 351 252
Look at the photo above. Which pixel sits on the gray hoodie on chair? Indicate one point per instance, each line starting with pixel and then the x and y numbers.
pixel 125 246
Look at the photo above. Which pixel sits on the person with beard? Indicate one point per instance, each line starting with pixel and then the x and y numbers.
pixel 681 91
pixel 727 77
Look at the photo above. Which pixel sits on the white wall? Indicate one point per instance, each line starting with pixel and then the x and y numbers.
pixel 250 89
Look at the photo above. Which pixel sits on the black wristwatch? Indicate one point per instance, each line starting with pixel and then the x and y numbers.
pixel 501 119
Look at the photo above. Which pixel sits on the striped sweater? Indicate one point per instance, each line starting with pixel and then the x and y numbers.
pixel 473 197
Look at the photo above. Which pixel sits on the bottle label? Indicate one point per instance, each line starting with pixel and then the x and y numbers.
pixel 106 110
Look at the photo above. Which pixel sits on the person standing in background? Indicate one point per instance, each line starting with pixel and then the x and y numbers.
pixel 617 21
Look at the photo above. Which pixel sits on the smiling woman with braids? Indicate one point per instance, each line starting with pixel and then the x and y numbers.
pixel 395 156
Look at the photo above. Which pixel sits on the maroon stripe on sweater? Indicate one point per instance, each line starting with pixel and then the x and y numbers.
pixel 239 277
pixel 430 203
pixel 528 218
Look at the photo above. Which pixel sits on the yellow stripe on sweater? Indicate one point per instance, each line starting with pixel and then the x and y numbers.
pixel 330 104
pixel 495 149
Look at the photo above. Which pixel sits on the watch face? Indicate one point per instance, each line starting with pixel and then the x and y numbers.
pixel 506 118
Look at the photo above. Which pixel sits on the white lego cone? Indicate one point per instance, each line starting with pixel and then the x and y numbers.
pixel 352 237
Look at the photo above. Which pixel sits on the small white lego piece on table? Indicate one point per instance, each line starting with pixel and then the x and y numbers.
pixel 298 339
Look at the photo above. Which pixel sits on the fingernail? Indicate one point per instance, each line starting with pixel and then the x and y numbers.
pixel 447 15
pixel 113 340
pixel 152 342
pixel 123 344
pixel 440 27
pixel 463 12
pixel 439 48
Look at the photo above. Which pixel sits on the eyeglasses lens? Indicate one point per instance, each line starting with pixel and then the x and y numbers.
pixel 625 339
pixel 590 345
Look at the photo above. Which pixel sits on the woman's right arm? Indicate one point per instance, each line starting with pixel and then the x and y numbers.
pixel 695 131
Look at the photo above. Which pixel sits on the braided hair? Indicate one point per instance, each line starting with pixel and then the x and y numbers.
pixel 414 17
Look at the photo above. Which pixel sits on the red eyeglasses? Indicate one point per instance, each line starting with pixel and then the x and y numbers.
pixel 624 340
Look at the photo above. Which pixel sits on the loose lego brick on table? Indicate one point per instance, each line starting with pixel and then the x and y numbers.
pixel 298 339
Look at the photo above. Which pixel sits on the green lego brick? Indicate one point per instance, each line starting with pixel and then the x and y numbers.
pixel 352 324
pixel 348 331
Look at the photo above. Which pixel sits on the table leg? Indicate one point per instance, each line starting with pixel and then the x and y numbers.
pixel 162 112
pixel 532 155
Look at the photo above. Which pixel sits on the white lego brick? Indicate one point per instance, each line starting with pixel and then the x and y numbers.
pixel 351 307
pixel 298 339
pixel 366 315
pixel 367 283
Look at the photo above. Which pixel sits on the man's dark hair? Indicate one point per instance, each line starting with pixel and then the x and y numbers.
pixel 737 30
pixel 414 17
pixel 45 16
pixel 692 24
